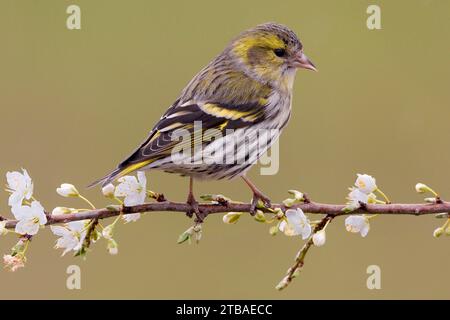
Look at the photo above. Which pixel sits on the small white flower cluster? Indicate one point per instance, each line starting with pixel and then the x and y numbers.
pixel 28 211
pixel 30 215
pixel 73 234
pixel 293 222
pixel 133 191
pixel 296 223
pixel 361 194
pixel 357 224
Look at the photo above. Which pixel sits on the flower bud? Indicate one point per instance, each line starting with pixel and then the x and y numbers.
pixel 319 238
pixel 273 230
pixel 19 247
pixel 365 183
pixel 283 284
pixel 278 212
pixel 186 235
pixel 430 200
pixel 438 232
pixel 259 216
pixel 13 262
pixel 114 208
pixel 289 202
pixel 296 273
pixel 231 217
pixel 67 190
pixel 108 231
pixel 299 196
pixel 208 197
pixel 422 188
pixel 62 210
pixel 112 247
pixel 108 190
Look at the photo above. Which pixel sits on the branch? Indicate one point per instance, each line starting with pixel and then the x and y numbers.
pixel 331 210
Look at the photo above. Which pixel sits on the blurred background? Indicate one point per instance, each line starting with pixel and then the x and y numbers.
pixel 76 102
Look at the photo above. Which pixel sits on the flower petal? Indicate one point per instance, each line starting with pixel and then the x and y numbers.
pixel 133 217
pixel 22 212
pixel 59 231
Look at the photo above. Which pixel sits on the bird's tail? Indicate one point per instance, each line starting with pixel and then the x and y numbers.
pixel 123 169
pixel 108 178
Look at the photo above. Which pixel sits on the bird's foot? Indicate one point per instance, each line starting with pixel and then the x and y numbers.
pixel 199 216
pixel 257 198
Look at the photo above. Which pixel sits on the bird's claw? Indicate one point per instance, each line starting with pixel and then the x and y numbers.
pixel 255 202
pixel 194 209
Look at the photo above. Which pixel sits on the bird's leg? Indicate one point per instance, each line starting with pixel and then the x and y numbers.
pixel 193 203
pixel 257 195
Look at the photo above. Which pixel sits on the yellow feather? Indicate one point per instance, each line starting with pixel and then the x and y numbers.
pixel 135 166
pixel 220 112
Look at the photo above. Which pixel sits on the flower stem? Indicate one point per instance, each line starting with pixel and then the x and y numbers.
pixel 446 224
pixel 87 201
pixel 383 195
pixel 118 200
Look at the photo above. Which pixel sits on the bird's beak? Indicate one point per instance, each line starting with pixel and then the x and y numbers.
pixel 302 61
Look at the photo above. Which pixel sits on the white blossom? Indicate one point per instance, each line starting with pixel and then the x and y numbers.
pixel 296 223
pixel 357 224
pixel 13 262
pixel 131 217
pixel 20 186
pixel 108 231
pixel 71 235
pixel 366 183
pixel 134 192
pixel 356 197
pixel 108 190
pixel 29 218
pixel 319 238
pixel 67 190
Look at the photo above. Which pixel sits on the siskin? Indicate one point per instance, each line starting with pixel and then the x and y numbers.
pixel 220 114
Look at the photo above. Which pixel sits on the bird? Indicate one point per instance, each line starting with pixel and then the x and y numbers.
pixel 243 92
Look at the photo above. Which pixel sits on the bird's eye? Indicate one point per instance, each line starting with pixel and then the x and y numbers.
pixel 280 52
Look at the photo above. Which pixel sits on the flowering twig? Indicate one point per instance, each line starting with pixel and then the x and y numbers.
pixel 300 257
pixel 78 228
pixel 333 210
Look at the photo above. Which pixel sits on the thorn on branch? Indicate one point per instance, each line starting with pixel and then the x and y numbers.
pixel 160 197
pixel 306 198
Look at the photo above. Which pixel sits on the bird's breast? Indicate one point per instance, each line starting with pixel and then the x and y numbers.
pixel 278 110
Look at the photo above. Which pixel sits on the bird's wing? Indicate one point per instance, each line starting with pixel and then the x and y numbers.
pixel 221 113
pixel 195 118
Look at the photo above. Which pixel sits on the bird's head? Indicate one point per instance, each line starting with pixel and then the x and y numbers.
pixel 270 52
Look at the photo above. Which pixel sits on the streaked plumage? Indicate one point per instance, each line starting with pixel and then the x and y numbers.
pixel 247 87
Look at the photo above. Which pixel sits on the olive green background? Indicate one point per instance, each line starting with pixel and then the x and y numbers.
pixel 75 103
